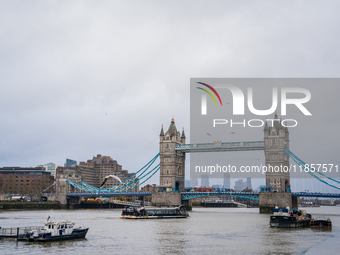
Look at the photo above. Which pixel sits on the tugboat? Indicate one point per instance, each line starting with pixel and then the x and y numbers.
pixel 286 218
pixel 53 231
pixel 320 223
pixel 134 212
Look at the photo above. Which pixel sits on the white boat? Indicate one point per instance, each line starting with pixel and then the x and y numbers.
pixel 53 231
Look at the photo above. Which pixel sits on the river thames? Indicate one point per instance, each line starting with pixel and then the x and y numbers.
pixel 206 231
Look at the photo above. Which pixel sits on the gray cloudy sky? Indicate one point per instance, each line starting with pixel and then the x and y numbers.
pixel 80 78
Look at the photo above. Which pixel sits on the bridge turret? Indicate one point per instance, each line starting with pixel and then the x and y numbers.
pixel 183 137
pixel 161 135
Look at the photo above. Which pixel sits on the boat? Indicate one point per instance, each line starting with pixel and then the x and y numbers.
pixel 286 218
pixel 53 231
pixel 134 212
pixel 320 223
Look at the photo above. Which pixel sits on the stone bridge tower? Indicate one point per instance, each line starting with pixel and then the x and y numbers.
pixel 172 162
pixel 276 139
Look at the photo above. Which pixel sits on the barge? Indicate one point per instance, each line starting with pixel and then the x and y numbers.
pixel 320 223
pixel 286 218
pixel 134 212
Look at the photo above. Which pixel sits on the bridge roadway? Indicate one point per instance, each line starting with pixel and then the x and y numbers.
pixel 218 146
pixel 190 195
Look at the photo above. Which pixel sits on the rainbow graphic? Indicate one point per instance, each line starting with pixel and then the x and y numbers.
pixel 212 89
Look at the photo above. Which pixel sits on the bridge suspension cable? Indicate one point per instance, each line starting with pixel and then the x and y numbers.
pixel 128 184
pixel 316 174
pixel 137 176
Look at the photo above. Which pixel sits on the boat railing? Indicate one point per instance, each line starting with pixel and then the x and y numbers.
pixel 16 232
pixel 129 203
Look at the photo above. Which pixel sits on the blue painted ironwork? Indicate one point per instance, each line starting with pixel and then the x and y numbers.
pixel 229 146
pixel 190 195
pixel 318 175
pixel 315 194
pixel 132 184
pixel 109 194
pixel 126 185
pixel 248 195
pixel 158 167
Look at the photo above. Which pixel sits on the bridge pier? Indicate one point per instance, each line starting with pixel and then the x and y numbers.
pixel 168 199
pixel 268 201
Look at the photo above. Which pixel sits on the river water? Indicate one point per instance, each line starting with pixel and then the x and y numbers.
pixel 206 231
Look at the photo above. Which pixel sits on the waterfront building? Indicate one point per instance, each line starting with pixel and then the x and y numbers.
pixel 148 188
pixel 51 167
pixel 24 180
pixel 96 169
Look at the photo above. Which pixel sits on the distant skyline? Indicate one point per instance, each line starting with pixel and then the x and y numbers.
pixel 82 78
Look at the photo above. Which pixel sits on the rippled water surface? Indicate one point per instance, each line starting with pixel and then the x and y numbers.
pixel 206 231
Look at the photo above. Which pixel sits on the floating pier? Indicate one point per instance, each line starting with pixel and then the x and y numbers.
pixel 16 232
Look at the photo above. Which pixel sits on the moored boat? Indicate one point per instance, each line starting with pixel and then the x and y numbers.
pixel 320 223
pixel 53 231
pixel 134 212
pixel 286 218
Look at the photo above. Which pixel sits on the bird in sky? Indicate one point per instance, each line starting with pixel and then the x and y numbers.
pixel 208 134
pixel 110 177
pixel 233 133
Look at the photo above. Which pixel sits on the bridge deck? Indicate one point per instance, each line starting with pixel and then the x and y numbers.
pixel 186 195
pixel 217 146
pixel 109 194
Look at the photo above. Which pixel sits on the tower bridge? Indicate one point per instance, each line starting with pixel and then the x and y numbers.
pixel 276 139
pixel 171 169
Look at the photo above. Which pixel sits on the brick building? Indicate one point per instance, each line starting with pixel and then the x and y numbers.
pixel 24 180
pixel 148 188
pixel 96 169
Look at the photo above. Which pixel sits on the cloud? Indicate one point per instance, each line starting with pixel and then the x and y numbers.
pixel 83 77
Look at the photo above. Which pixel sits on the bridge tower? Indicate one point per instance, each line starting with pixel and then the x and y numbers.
pixel 276 139
pixel 172 163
